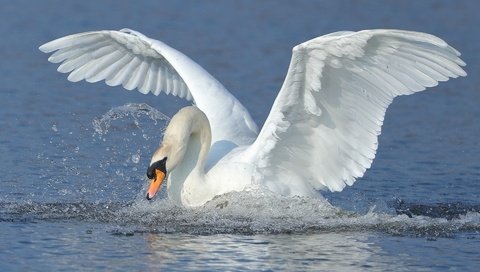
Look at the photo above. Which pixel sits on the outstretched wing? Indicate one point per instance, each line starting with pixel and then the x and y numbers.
pixel 323 128
pixel 131 59
pixel 119 58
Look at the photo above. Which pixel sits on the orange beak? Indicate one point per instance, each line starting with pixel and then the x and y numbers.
pixel 155 184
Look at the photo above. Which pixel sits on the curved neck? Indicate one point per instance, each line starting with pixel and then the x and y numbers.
pixel 189 137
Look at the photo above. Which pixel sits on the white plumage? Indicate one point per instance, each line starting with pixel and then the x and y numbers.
pixel 322 130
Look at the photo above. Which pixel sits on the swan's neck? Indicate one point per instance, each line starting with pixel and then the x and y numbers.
pixel 190 132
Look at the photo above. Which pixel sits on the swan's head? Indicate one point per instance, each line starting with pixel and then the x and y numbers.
pixel 163 162
pixel 157 173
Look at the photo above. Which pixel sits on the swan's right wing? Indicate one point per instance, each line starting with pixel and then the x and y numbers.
pixel 131 59
pixel 119 58
pixel 323 128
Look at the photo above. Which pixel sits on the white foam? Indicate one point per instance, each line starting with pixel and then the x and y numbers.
pixel 249 212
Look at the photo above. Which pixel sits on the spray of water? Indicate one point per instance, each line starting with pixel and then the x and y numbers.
pixel 133 110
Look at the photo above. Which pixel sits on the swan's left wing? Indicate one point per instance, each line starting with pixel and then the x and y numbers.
pixel 323 128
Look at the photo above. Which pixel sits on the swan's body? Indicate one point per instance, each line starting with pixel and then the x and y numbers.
pixel 322 130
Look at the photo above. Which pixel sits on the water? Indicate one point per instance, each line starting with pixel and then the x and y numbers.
pixel 74 156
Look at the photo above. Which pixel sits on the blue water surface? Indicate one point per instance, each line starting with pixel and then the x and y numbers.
pixel 74 155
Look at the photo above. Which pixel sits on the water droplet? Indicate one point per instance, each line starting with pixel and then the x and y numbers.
pixel 136 158
pixel 64 192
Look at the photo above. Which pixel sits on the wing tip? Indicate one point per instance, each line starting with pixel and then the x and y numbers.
pixel 46 47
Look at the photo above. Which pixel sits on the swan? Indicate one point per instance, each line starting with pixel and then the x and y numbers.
pixel 321 132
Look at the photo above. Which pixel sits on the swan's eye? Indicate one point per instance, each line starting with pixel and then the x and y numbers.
pixel 151 173
pixel 160 165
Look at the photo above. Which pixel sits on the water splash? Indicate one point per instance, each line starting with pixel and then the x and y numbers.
pixel 257 212
pixel 134 110
pixel 241 213
pixel 105 158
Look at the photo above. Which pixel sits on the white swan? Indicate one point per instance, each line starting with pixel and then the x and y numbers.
pixel 321 132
